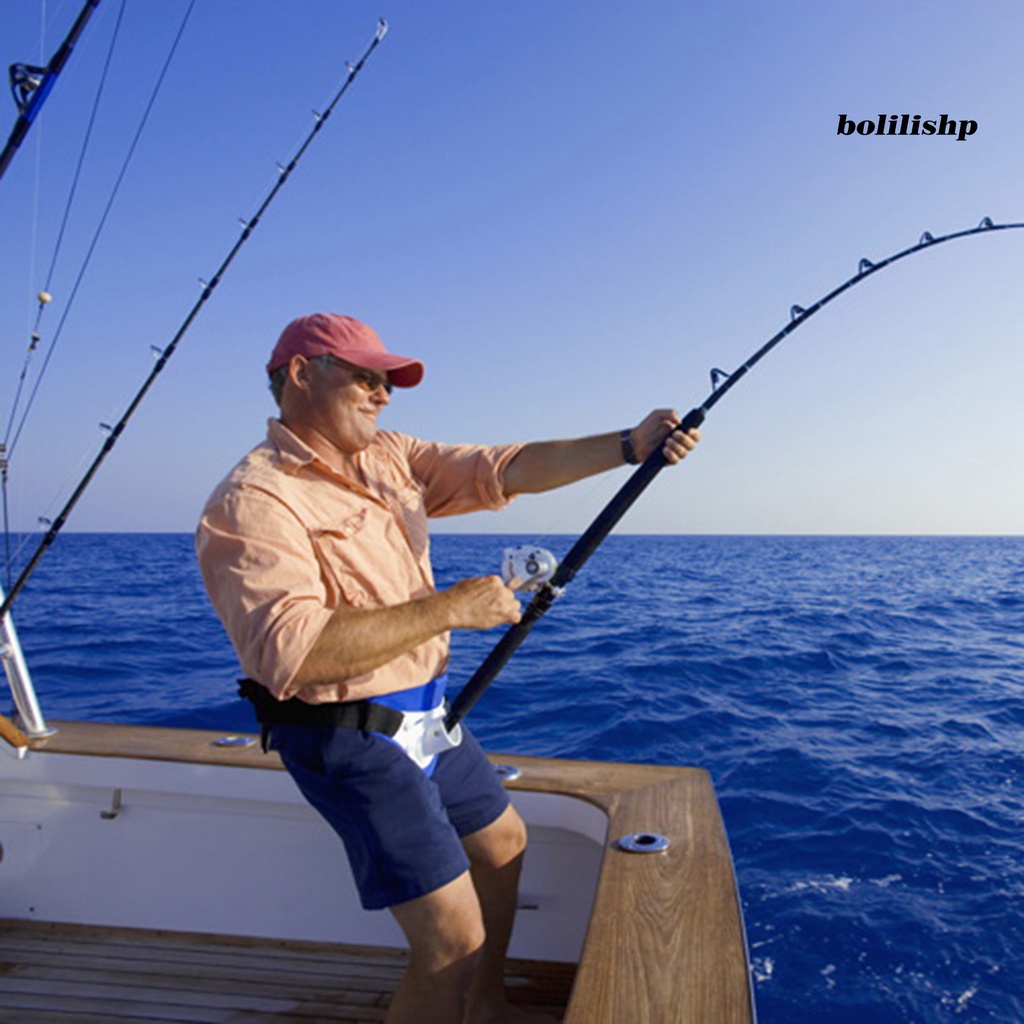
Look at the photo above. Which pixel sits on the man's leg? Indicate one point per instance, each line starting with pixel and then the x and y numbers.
pixel 445 932
pixel 496 857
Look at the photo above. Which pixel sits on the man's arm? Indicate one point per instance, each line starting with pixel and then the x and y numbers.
pixel 544 465
pixel 357 641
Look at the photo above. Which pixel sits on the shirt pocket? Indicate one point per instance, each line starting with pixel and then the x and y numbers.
pixel 339 552
pixel 409 511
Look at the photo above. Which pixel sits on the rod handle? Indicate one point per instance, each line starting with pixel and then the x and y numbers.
pixel 694 418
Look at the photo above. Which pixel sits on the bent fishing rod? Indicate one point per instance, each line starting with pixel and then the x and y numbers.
pixel 30 85
pixel 248 227
pixel 721 384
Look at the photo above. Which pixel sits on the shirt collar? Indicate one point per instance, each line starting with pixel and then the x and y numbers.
pixel 294 455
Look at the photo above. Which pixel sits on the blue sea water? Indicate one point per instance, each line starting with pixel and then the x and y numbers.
pixel 859 702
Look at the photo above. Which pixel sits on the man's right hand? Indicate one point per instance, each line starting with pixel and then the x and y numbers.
pixel 482 602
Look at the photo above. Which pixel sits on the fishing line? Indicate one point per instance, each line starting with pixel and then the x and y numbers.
pixel 721 384
pixel 43 297
pixel 58 245
pixel 9 443
pixel 248 227
pixel 44 516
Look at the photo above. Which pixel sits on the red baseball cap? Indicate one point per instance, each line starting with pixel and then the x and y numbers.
pixel 331 334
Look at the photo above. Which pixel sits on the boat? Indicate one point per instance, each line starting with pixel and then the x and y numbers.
pixel 147 873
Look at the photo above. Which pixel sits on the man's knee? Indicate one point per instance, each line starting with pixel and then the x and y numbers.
pixel 500 843
pixel 445 932
pixel 513 837
pixel 456 953
pixel 444 927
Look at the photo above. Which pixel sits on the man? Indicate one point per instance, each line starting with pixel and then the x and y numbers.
pixel 315 554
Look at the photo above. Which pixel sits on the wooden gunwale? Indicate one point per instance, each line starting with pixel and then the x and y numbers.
pixel 665 942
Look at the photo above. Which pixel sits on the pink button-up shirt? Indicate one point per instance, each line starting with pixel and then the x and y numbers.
pixel 285 540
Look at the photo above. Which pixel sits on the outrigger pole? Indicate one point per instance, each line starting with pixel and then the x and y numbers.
pixel 248 226
pixel 721 384
pixel 31 85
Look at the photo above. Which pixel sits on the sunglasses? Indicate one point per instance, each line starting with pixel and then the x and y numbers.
pixel 368 380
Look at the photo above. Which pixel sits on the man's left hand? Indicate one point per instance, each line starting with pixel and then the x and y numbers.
pixel 661 426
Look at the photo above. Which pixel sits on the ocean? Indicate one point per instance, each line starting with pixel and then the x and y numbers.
pixel 858 701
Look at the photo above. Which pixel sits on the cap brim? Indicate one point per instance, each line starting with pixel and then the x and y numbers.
pixel 402 371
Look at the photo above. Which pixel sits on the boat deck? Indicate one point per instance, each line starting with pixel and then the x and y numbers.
pixel 664 941
pixel 88 975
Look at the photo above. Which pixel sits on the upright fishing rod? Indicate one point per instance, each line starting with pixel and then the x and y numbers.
pixel 721 384
pixel 248 227
pixel 31 85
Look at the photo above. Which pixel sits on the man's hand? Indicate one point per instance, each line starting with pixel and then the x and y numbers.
pixel 481 602
pixel 660 426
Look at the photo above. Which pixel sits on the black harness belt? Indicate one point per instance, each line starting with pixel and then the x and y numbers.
pixel 353 714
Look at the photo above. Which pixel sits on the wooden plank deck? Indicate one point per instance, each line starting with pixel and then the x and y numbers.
pixel 90 975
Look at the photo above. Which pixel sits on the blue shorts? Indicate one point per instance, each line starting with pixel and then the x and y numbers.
pixel 401 828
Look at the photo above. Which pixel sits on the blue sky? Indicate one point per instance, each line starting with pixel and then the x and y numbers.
pixel 570 211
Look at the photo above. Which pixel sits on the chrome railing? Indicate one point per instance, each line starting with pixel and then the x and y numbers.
pixel 26 703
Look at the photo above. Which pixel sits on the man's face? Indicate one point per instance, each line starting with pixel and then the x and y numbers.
pixel 342 402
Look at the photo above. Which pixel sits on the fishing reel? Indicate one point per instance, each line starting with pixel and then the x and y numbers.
pixel 529 565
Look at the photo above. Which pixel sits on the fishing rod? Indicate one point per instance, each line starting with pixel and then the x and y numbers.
pixel 550 586
pixel 248 226
pixel 30 85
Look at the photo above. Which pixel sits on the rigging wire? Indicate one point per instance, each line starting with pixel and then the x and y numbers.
pixel 248 227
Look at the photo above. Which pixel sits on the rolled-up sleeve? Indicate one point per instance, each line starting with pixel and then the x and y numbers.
pixel 461 478
pixel 263 582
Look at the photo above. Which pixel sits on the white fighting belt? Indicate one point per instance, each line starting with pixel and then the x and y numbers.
pixel 422 735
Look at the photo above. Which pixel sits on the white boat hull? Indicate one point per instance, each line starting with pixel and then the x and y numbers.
pixel 237 851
